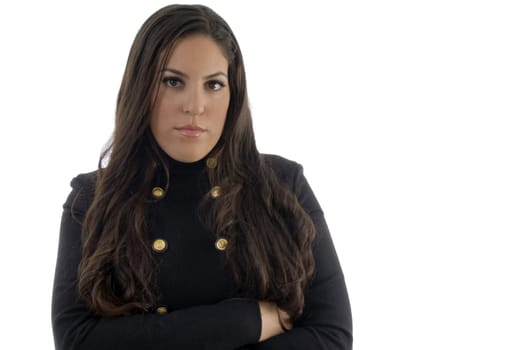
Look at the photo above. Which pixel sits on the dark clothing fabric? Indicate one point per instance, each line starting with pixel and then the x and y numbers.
pixel 204 308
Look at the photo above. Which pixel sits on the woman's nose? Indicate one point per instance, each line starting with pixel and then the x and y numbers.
pixel 194 103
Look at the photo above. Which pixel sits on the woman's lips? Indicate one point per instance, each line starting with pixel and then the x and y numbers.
pixel 190 130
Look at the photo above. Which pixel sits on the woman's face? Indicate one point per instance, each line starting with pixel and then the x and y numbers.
pixel 190 110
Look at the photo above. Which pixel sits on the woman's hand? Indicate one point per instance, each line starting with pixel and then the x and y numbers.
pixel 274 321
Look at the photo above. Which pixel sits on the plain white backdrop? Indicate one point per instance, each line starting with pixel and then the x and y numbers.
pixel 408 116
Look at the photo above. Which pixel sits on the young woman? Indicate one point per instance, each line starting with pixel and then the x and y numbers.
pixel 188 237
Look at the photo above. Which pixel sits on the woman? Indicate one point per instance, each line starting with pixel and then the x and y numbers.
pixel 189 238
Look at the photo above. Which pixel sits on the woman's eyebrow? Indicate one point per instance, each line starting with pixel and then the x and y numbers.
pixel 184 75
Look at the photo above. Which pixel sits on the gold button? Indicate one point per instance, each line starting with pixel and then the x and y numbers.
pixel 211 162
pixel 215 191
pixel 161 310
pixel 157 192
pixel 159 245
pixel 221 244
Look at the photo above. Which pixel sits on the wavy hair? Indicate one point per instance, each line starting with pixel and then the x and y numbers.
pixel 270 251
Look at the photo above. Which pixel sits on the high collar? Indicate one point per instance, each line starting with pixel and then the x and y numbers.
pixel 176 166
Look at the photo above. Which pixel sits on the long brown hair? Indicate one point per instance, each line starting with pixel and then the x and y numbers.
pixel 269 249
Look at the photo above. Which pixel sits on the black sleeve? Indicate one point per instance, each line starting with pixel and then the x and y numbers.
pixel 226 325
pixel 326 322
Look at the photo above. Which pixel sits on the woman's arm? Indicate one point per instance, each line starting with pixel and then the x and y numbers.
pixel 226 325
pixel 326 321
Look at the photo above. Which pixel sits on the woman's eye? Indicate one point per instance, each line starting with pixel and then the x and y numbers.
pixel 171 81
pixel 215 85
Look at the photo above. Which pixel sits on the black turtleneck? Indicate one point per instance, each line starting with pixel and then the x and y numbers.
pixel 199 306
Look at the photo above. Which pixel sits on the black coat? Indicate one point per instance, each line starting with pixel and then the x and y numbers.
pixel 199 306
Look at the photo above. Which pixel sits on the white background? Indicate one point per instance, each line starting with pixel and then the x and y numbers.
pixel 408 116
